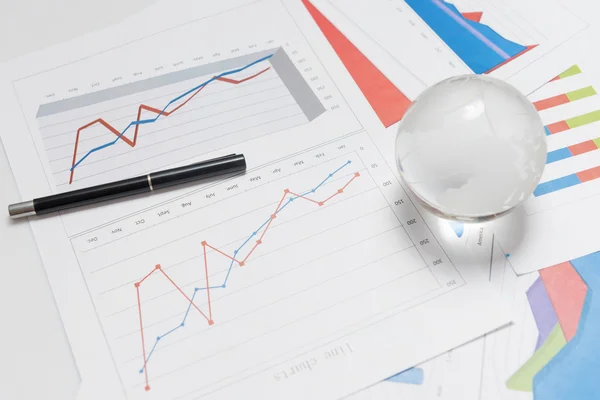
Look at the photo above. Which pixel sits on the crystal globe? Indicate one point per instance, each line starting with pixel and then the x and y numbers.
pixel 471 148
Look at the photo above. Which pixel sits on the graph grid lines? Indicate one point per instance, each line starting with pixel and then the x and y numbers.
pixel 287 198
pixel 284 67
pixel 138 121
pixel 156 82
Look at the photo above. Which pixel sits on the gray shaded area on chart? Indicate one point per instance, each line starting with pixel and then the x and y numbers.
pixel 153 83
pixel 299 89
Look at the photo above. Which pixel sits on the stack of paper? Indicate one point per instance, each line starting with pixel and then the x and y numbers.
pixel 315 274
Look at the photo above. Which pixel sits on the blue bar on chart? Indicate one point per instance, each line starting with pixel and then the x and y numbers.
pixel 557 155
pixel 567 181
pixel 556 184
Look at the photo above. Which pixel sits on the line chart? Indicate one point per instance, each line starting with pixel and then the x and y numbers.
pixel 246 270
pixel 287 195
pixel 96 137
pixel 138 121
pixel 325 273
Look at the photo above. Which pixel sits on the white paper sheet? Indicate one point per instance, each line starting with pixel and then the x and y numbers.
pixel 457 374
pixel 352 283
pixel 416 43
pixel 502 364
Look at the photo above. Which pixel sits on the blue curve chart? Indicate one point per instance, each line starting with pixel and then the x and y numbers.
pixel 480 47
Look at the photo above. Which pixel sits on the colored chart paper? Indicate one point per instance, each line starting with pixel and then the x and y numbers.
pixel 567 292
pixel 561 367
pixel 522 380
pixel 572 374
pixel 541 307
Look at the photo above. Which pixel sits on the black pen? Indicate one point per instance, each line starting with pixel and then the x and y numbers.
pixel 128 187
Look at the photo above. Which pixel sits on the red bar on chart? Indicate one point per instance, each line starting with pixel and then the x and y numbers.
pixel 558 127
pixel 589 174
pixel 583 147
pixel 551 102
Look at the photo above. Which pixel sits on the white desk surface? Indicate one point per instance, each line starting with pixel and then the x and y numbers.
pixel 35 358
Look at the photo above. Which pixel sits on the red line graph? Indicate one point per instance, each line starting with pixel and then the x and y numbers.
pixel 209 318
pixel 133 142
pixel 137 289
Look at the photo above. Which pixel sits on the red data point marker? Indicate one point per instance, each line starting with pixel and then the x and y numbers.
pixel 259 242
pixel 241 263
pixel 147 388
pixel 211 322
pixel 157 266
pixel 273 216
pixel 321 203
pixel 340 190
pixel 286 191
pixel 357 174
pixel 137 284
pixel 203 243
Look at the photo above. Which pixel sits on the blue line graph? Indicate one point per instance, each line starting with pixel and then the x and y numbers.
pixel 235 252
pixel 151 120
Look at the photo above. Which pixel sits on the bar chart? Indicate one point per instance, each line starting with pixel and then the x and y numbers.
pixel 573 161
pixel 558 222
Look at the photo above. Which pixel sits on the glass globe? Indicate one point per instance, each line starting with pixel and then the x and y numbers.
pixel 471 148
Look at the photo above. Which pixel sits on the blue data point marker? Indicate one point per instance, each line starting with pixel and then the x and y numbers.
pixel 142 371
pixel 253 233
pixel 157 338
pixel 331 175
pixel 182 324
pixel 312 191
pixel 196 289
pixel 349 162
pixel 235 252
pixel 223 286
